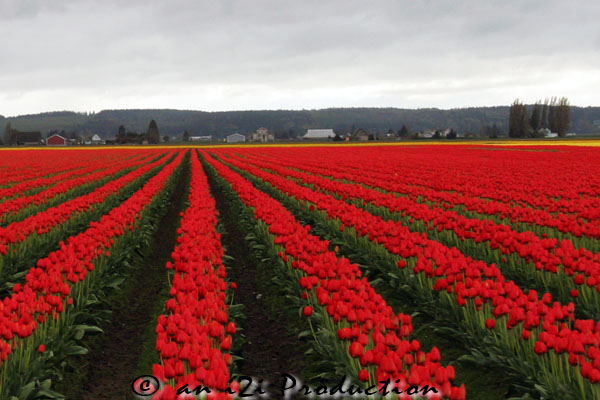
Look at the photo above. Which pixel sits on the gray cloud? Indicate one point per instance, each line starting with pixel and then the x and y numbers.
pixel 235 54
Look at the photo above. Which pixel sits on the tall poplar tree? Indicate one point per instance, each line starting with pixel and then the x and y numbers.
pixel 518 120
pixel 536 117
pixel 10 136
pixel 562 116
pixel 153 135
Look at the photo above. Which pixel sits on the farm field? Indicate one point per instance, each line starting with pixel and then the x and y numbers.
pixel 463 271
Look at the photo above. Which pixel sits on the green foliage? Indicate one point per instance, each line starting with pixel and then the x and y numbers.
pixel 152 134
pixel 518 121
pixel 121 135
pixel 559 116
pixel 404 131
pixel 553 114
pixel 536 116
pixel 10 135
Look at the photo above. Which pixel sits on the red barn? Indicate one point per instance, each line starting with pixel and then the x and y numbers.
pixel 56 140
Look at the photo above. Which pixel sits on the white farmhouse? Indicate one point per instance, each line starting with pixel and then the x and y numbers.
pixel 261 135
pixel 97 139
pixel 319 134
pixel 206 138
pixel 236 138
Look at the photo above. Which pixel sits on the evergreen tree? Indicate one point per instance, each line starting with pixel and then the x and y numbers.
pixel 7 134
pixel 10 135
pixel 495 130
pixel 404 131
pixel 186 136
pixel 152 135
pixel 544 117
pixel 562 116
pixel 552 115
pixel 518 121
pixel 121 135
pixel 536 117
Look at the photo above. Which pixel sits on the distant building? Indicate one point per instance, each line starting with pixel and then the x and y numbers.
pixel 56 140
pixel 426 134
pixel 201 138
pixel 548 133
pixel 261 135
pixel 97 139
pixel 236 138
pixel 319 134
pixel 360 135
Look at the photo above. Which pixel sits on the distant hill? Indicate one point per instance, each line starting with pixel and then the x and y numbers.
pixel 284 122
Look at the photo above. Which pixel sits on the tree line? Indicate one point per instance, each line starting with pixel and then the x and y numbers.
pixel 552 115
pixel 290 124
pixel 152 135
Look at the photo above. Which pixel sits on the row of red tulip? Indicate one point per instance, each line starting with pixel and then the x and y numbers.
pixel 46 220
pixel 375 338
pixel 73 180
pixel 194 335
pixel 19 167
pixel 581 221
pixel 50 180
pixel 548 255
pixel 502 176
pixel 47 290
pixel 470 283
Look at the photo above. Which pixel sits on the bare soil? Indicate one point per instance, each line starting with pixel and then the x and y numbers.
pixel 272 346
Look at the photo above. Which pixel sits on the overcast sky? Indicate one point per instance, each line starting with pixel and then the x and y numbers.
pixel 240 55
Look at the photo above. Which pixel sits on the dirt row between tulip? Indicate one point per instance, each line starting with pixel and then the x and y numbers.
pixel 270 329
pixel 128 342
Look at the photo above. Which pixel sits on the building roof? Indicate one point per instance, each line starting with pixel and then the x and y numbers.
pixel 236 134
pixel 96 137
pixel 359 132
pixel 319 134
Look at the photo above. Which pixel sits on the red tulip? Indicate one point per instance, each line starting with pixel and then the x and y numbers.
pixel 540 347
pixel 363 375
pixel 356 349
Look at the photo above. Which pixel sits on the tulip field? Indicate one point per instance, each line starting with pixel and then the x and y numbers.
pixel 464 271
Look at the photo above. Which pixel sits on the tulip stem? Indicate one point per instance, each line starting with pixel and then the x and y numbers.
pixel 313 331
